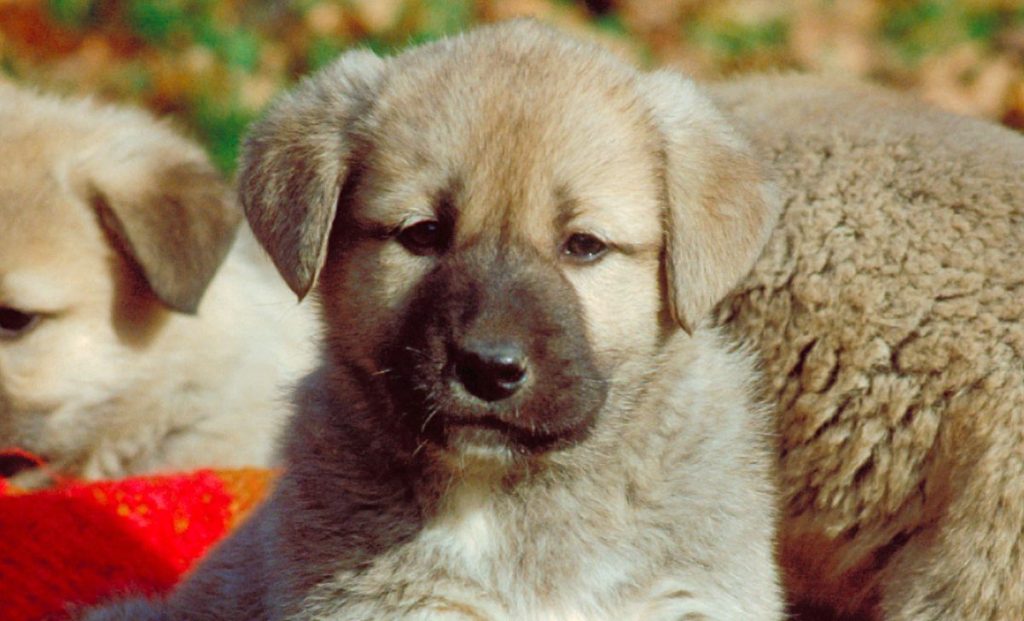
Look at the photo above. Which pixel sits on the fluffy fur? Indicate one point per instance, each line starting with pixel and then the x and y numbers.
pixel 889 306
pixel 114 228
pixel 649 496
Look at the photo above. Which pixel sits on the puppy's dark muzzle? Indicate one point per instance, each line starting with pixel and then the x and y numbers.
pixel 495 343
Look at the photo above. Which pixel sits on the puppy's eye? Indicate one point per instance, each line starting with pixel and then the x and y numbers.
pixel 14 322
pixel 426 237
pixel 583 247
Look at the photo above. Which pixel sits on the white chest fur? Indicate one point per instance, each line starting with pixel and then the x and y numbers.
pixel 467 532
pixel 480 542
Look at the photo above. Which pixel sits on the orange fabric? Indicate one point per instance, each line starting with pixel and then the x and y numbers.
pixel 82 543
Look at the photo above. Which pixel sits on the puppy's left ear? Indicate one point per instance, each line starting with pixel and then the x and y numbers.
pixel 720 209
pixel 166 206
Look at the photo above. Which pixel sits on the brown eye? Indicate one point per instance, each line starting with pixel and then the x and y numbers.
pixel 426 237
pixel 583 247
pixel 14 322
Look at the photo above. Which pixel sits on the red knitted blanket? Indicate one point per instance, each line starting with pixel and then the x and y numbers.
pixel 81 543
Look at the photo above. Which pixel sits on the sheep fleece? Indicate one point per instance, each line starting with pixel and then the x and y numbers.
pixel 889 307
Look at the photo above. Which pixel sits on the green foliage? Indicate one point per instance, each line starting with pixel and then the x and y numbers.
pixel 323 50
pixel 611 24
pixel 443 17
pixel 215 62
pixel 74 13
pixel 176 23
pixel 221 128
pixel 237 47
pixel 735 40
pixel 921 27
pixel 154 21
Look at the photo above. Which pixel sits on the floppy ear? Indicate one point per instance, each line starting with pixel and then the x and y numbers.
pixel 165 206
pixel 295 162
pixel 720 209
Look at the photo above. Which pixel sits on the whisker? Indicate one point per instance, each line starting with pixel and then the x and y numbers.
pixel 430 416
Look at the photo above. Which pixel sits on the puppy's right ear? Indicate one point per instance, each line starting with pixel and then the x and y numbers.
pixel 720 208
pixel 295 161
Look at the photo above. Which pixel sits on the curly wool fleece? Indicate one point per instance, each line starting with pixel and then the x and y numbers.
pixel 889 307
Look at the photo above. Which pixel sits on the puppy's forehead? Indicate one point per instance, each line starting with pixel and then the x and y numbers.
pixel 531 127
pixel 46 229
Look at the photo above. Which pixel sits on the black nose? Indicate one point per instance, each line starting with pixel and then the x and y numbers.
pixel 491 371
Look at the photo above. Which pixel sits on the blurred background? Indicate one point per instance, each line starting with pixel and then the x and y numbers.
pixel 213 65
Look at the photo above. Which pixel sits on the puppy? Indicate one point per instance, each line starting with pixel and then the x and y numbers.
pixel 519 415
pixel 889 307
pixel 114 228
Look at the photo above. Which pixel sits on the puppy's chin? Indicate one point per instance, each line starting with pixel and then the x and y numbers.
pixel 474 452
pixel 473 447
pixel 490 438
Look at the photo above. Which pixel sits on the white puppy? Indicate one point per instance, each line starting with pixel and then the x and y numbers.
pixel 112 229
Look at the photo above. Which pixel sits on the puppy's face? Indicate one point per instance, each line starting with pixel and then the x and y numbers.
pixel 78 311
pixel 496 258
pixel 491 216
pixel 56 286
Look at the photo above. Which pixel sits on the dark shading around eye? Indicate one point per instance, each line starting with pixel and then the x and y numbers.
pixel 584 247
pixel 14 322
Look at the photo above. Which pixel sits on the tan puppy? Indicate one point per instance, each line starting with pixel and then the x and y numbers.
pixel 112 229
pixel 889 306
pixel 508 229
